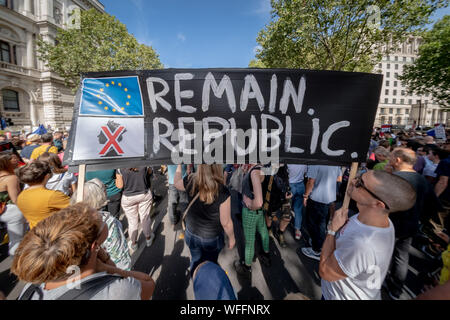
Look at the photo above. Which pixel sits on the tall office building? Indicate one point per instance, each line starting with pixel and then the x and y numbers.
pixel 397 106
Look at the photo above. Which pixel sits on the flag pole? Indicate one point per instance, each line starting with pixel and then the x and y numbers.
pixel 81 178
pixel 353 171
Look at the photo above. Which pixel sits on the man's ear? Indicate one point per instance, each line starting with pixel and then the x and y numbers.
pixel 380 205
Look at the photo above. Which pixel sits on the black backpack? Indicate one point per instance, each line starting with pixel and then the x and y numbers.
pixel 88 289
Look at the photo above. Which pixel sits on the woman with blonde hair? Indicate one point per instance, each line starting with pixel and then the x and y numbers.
pixel 116 242
pixel 70 241
pixel 209 214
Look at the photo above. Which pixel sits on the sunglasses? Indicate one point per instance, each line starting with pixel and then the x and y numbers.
pixel 360 184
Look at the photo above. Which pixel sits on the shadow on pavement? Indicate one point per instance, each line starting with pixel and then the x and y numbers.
pixel 278 279
pixel 150 259
pixel 174 278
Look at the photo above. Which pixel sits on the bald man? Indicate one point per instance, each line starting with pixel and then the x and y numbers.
pixel 357 251
pixel 406 223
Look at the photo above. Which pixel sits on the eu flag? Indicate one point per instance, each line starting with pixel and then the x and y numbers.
pixel 111 97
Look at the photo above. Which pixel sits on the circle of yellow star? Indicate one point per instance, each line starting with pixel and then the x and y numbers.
pixel 106 108
pixel 122 108
pixel 129 97
pixel 102 90
pixel 100 102
pixel 114 110
pixel 112 82
pixel 126 89
pixel 128 103
pixel 107 84
pixel 120 84
pixel 98 96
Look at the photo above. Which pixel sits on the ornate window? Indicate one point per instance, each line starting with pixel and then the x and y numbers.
pixel 10 100
pixel 7 3
pixel 5 52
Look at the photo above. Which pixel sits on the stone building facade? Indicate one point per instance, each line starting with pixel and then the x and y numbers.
pixel 29 93
pixel 397 106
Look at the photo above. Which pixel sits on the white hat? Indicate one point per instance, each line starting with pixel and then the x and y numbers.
pixel 34 137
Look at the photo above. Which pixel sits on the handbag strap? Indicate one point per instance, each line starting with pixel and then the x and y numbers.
pixel 268 193
pixel 187 210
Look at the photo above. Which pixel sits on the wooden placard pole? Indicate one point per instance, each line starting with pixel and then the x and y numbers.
pixel 81 178
pixel 353 171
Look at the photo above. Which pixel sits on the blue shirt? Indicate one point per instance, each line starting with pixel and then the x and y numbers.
pixel 324 190
pixel 28 150
pixel 296 172
pixel 171 169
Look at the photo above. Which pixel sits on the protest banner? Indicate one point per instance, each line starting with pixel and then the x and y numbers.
pixel 386 128
pixel 439 131
pixel 170 116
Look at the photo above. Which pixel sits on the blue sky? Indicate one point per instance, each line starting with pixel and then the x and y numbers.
pixel 198 33
pixel 195 33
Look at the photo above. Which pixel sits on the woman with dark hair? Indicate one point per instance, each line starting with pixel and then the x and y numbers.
pixel 9 212
pixel 61 180
pixel 70 240
pixel 37 202
pixel 136 202
pixel 209 215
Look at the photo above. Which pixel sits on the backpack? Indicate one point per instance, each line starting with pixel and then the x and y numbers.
pixel 88 289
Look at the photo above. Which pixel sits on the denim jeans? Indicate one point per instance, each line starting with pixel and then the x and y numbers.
pixel 316 221
pixel 297 190
pixel 176 196
pixel 400 260
pixel 203 249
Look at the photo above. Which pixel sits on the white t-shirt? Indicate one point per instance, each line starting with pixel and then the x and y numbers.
pixel 430 168
pixel 324 190
pixel 120 289
pixel 364 254
pixel 62 182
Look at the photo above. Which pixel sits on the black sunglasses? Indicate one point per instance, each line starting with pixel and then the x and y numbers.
pixel 360 184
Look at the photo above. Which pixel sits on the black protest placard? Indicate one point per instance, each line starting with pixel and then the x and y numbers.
pixel 223 116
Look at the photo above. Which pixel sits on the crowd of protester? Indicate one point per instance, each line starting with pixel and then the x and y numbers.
pixel 400 197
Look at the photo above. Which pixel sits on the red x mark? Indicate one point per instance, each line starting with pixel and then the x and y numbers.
pixel 112 140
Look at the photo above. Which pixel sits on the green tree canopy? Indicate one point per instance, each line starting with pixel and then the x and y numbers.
pixel 102 43
pixel 430 73
pixel 338 34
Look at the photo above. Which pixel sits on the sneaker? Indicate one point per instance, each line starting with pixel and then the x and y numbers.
pixel 310 253
pixel 242 269
pixel 264 258
pixel 149 242
pixel 132 247
pixel 429 252
pixel 298 234
pixel 392 292
pixel 282 241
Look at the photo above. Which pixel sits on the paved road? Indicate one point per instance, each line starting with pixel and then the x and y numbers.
pixel 167 261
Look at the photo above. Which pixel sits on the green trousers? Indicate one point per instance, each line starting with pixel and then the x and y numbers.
pixel 253 221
